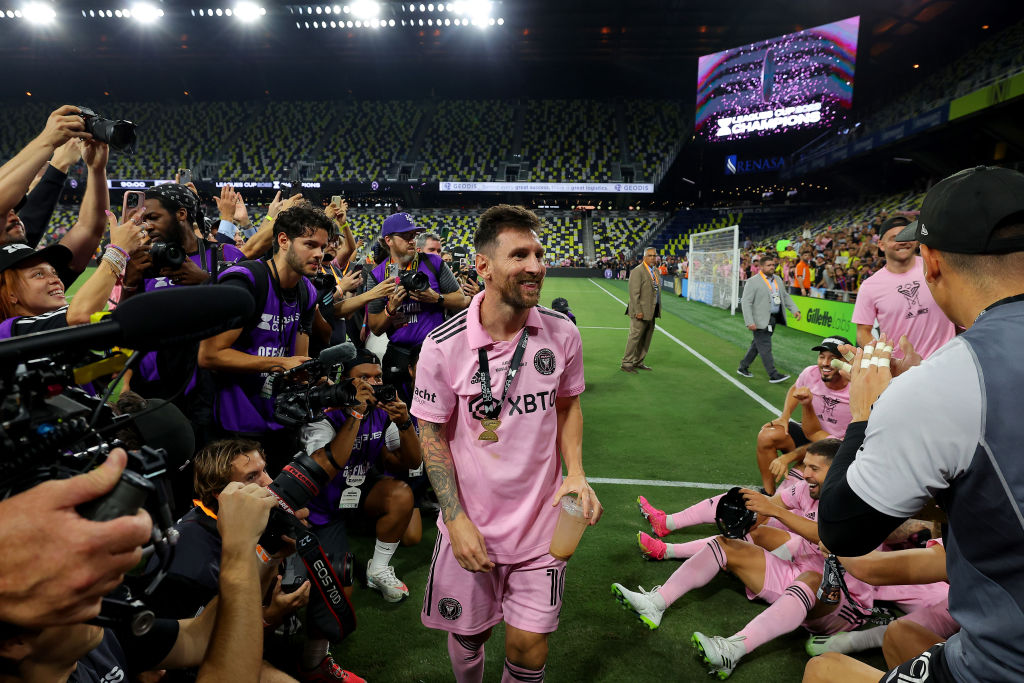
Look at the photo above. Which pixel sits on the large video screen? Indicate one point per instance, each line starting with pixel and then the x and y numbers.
pixel 792 82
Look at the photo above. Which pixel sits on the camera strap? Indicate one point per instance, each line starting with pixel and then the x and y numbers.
pixel 329 610
pixel 493 409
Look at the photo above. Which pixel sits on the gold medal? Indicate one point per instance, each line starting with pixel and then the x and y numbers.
pixel 489 426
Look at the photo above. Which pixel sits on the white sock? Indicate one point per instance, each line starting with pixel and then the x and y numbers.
pixel 858 641
pixel 382 553
pixel 313 652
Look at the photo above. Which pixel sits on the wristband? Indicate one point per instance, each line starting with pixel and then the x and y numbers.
pixel 356 414
pixel 127 256
pixel 330 457
pixel 405 425
pixel 270 219
pixel 126 288
pixel 387 312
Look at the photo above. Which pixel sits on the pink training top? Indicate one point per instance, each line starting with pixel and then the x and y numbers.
pixel 505 486
pixel 832 407
pixel 903 304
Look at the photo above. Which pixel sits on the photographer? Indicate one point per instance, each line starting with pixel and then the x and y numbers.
pixel 193 576
pixel 361 441
pixel 224 639
pixel 32 294
pixel 409 314
pixel 275 338
pixel 465 272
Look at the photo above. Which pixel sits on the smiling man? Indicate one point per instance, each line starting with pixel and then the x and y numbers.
pixel 497 397
pixel 898 298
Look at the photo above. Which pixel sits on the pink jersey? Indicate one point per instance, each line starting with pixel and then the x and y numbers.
pixel 903 304
pixel 505 486
pixel 831 406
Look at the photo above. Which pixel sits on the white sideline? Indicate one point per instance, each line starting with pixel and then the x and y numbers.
pixel 658 482
pixel 767 406
pixel 621 329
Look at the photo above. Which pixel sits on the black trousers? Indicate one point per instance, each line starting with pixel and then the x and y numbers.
pixel 762 346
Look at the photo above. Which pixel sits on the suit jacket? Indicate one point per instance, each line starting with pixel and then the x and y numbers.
pixel 643 298
pixel 757 301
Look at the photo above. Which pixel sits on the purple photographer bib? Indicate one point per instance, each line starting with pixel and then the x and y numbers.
pixel 239 406
pixel 421 318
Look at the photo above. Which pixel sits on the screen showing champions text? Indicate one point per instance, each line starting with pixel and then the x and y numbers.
pixel 800 80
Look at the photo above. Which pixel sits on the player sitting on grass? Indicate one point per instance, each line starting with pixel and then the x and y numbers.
pixel 825 396
pixel 788 586
pixel 793 507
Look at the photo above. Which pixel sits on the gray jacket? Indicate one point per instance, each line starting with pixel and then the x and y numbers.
pixel 757 301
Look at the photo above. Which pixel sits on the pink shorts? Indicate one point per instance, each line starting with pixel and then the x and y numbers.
pixel 913 597
pixel 526 595
pixel 779 574
pixel 935 618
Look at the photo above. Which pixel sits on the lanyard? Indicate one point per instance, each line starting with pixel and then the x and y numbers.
pixel 485 376
pixel 651 271
pixel 330 268
pixel 413 265
pixel 773 285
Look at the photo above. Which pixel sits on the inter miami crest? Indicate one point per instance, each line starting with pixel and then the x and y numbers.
pixel 544 361
pixel 449 608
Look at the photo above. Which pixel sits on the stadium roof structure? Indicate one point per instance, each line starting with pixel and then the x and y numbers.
pixel 222 49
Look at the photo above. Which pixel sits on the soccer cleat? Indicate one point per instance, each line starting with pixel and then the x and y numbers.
pixel 387 583
pixel 778 378
pixel 651 548
pixel 744 373
pixel 721 654
pixel 640 603
pixel 328 672
pixel 653 515
pixel 819 645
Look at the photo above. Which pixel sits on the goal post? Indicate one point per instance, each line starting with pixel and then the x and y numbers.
pixel 714 268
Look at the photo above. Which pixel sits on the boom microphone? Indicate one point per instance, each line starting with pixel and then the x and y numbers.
pixel 331 356
pixel 148 322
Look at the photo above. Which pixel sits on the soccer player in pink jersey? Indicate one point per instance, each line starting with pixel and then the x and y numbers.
pixel 789 586
pixel 825 396
pixel 497 399
pixel 899 299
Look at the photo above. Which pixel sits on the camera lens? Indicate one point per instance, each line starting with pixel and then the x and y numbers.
pixel 414 282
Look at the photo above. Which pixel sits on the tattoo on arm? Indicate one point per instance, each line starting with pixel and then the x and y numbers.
pixel 437 457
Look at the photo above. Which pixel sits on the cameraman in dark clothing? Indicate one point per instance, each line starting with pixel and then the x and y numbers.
pixel 426 290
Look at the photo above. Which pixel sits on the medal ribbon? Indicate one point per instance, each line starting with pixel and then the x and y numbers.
pixel 485 376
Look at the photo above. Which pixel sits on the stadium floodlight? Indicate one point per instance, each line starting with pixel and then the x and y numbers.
pixel 145 13
pixel 366 9
pixel 501 22
pixel 248 12
pixel 39 13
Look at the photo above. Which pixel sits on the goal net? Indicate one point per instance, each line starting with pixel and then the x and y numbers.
pixel 714 273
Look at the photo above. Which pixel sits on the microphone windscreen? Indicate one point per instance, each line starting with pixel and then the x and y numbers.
pixel 337 354
pixel 181 315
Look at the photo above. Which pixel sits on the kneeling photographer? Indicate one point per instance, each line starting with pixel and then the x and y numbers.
pixel 360 441
pixel 223 638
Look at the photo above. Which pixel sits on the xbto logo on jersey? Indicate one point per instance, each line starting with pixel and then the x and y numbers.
pixel 517 405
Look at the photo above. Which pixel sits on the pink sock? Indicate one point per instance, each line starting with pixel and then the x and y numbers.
pixel 467 659
pixel 682 551
pixel 697 571
pixel 701 513
pixel 782 616
pixel 514 672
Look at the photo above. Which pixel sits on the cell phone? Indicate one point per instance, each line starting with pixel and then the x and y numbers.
pixel 184 176
pixel 336 200
pixel 133 199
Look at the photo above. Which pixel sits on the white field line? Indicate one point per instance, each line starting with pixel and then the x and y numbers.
pixel 657 482
pixel 761 401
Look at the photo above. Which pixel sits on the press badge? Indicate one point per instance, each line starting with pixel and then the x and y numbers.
pixel 776 299
pixel 350 496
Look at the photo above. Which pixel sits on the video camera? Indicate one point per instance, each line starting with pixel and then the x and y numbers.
pixel 298 400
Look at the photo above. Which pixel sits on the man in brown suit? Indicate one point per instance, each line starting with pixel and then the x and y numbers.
pixel 644 306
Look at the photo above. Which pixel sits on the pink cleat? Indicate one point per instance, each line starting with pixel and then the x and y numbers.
pixel 653 515
pixel 651 548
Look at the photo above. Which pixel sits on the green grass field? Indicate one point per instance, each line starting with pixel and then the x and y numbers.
pixel 683 422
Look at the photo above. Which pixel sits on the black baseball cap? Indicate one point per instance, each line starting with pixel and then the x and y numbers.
pixel 893 222
pixel 962 211
pixel 57 255
pixel 832 344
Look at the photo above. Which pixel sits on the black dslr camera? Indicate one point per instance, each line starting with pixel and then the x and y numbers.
pixel 413 281
pixel 298 400
pixel 166 255
pixel 384 393
pixel 120 135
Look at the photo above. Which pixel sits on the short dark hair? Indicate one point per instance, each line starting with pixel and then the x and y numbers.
pixel 826 448
pixel 300 221
pixel 497 218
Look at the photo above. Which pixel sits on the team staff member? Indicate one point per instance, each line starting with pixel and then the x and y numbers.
pixel 764 296
pixel 951 429
pixel 408 317
pixel 494 462
pixel 644 307
pixel 277 338
pixel 898 298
